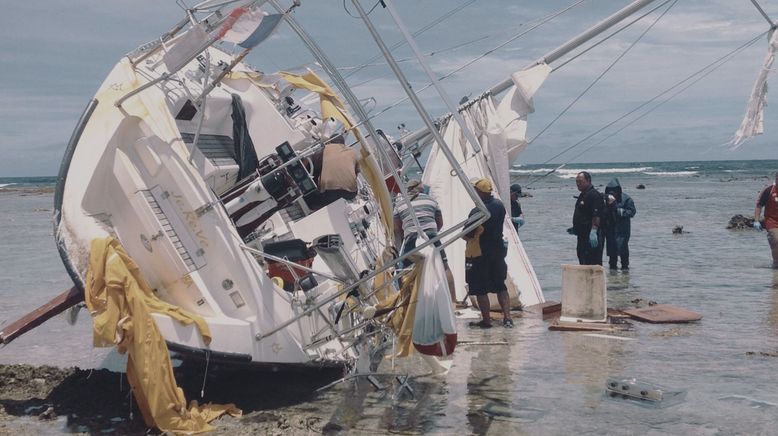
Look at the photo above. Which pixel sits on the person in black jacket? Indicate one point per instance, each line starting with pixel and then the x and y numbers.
pixel 619 211
pixel 586 221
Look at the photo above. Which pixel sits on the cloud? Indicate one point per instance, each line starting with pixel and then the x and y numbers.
pixel 52 70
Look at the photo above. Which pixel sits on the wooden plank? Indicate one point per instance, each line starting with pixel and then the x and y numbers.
pixel 585 326
pixel 40 315
pixel 663 313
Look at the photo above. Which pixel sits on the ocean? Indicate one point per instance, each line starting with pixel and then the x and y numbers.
pixel 541 382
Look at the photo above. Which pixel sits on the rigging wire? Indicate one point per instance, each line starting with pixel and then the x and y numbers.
pixel 604 72
pixel 721 61
pixel 428 54
pixel 403 60
pixel 704 71
pixel 418 32
pixel 467 64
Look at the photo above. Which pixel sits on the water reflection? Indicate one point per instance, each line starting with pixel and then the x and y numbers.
pixel 772 314
pixel 589 360
pixel 620 291
pixel 493 385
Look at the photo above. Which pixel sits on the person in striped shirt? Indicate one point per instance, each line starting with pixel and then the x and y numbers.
pixel 430 220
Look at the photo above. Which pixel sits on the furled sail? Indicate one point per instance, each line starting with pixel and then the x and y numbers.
pixel 753 121
pixel 501 132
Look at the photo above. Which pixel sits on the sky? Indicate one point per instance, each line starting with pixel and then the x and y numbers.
pixel 56 54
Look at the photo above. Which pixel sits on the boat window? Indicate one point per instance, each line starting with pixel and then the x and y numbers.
pixel 187 112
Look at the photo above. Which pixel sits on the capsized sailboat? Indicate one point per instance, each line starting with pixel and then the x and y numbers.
pixel 210 176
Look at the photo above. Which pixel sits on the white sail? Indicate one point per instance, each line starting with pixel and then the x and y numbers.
pixel 492 163
pixel 517 104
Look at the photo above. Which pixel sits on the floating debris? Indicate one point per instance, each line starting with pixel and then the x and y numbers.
pixel 678 230
pixel 643 393
pixel 640 186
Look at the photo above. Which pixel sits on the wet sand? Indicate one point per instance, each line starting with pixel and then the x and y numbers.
pixel 45 399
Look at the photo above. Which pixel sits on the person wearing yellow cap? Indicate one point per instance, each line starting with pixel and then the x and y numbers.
pixel 486 270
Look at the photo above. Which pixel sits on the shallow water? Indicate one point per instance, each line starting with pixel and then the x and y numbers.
pixel 542 382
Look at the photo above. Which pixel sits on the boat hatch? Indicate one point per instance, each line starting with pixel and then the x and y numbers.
pixel 169 220
pixel 221 169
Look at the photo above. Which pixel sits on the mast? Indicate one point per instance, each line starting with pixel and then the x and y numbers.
pixel 551 56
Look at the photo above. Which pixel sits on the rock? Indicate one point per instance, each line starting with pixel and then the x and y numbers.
pixel 740 222
pixel 640 186
pixel 678 230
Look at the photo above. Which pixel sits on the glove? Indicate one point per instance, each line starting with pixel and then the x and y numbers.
pixel 593 241
pixel 571 231
pixel 757 225
pixel 519 221
pixel 620 211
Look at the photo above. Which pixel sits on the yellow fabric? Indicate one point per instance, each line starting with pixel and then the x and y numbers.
pixel 473 245
pixel 121 302
pixel 252 76
pixel 401 319
pixel 331 106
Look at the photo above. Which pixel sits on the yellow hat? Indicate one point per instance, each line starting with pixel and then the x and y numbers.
pixel 483 185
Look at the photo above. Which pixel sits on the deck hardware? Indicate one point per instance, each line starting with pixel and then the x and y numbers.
pixel 202 210
pixel 146 243
pixel 237 299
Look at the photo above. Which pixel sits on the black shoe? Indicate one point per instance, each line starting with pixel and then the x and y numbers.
pixel 625 268
pixel 479 325
pixel 507 323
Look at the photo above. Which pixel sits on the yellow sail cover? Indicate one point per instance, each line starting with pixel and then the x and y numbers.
pixel 121 302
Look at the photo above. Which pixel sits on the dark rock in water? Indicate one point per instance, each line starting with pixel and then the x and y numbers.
pixel 640 186
pixel 678 230
pixel 740 222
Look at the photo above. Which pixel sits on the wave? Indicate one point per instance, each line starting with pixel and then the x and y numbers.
pixel 570 173
pixel 671 173
pixel 3 185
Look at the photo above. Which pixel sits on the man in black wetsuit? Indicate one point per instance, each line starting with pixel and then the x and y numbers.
pixel 586 221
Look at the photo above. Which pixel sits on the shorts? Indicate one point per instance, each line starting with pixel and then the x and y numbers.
pixel 410 244
pixel 485 275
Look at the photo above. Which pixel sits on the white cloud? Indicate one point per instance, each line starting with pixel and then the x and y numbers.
pixel 50 72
